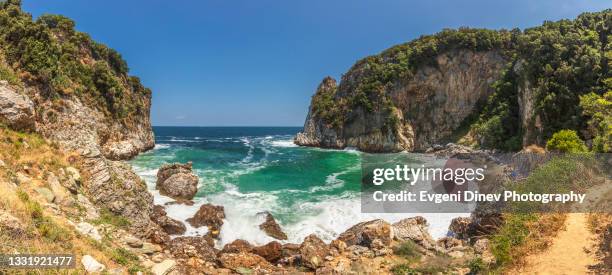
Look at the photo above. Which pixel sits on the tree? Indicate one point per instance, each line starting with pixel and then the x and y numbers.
pixel 566 141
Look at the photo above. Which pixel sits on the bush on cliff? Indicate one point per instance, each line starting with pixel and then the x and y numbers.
pixel 598 109
pixel 566 141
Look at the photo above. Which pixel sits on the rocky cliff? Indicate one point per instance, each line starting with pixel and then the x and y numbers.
pixel 77 94
pixel 427 107
pixel 495 89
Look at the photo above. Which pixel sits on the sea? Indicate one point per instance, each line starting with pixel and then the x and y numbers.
pixel 251 170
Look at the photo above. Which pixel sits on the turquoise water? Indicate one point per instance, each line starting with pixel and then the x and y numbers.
pixel 249 170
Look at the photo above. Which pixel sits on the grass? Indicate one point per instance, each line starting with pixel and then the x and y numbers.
pixel 45 232
pixel 528 227
pixel 408 250
pixel 108 217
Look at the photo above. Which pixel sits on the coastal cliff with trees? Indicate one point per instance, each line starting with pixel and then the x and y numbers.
pixel 70 114
pixel 503 89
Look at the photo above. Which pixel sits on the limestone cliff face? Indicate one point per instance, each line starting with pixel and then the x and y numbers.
pixel 78 94
pixel 75 125
pixel 426 107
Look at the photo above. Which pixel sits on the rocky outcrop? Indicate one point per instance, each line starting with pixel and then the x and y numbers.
pixel 169 225
pixel 114 186
pixel 237 246
pixel 271 228
pixel 246 263
pixel 366 233
pixel 177 181
pixel 414 229
pixel 210 216
pixel 313 251
pixel 16 110
pixel 190 247
pixel 427 106
pixel 271 251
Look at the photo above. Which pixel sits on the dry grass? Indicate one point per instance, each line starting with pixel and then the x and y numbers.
pixel 601 225
pixel 45 230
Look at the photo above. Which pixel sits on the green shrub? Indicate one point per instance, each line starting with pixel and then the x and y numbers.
pixel 599 111
pixel 477 266
pixel 123 256
pixel 566 141
pixel 403 269
pixel 408 250
pixel 108 217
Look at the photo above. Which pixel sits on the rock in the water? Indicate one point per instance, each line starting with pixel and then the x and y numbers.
pixel 237 246
pixel 177 181
pixel 189 247
pixel 245 263
pixel 91 265
pixel 313 251
pixel 169 225
pixel 271 228
pixel 16 110
pixel 366 232
pixel 271 251
pixel 88 230
pixel 164 267
pixel 211 216
pixel 414 229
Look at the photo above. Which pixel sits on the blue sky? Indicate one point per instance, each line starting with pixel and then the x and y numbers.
pixel 258 62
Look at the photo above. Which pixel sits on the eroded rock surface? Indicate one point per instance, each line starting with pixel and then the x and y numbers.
pixel 16 110
pixel 271 227
pixel 177 181
pixel 211 216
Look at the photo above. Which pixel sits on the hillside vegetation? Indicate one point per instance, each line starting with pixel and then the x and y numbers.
pixel 50 54
pixel 564 65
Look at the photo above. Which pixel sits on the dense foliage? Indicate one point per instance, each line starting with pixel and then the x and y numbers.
pixel 599 111
pixel 566 141
pixel 377 74
pixel 559 62
pixel 49 53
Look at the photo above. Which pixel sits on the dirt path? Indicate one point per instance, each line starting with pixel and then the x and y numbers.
pixel 567 253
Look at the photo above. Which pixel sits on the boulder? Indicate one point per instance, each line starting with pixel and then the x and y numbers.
pixel 169 225
pixel 313 251
pixel 460 227
pixel 211 216
pixel 46 194
pixel 132 241
pixel 91 265
pixel 158 235
pixel 449 243
pixel 366 232
pixel 177 181
pixel 16 110
pixel 11 224
pixel 271 228
pixel 245 263
pixel 271 251
pixel 414 229
pixel 163 268
pixel 190 247
pixel 58 190
pixel 88 230
pixel 237 246
pixel 290 249
pixel 148 248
